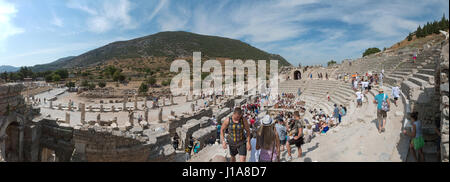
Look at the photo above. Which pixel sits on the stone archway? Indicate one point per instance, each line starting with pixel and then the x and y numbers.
pixel 297 75
pixel 10 146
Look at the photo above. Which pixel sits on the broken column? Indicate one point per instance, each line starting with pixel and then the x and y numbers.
pixel 146 114
pixel 164 101
pixel 69 107
pixel 171 100
pixel 59 106
pixel 101 108
pixel 83 113
pixel 160 115
pixel 51 104
pixel 125 100
pixel 145 102
pixel 67 118
pixel 135 102
pixel 98 118
pixel 131 118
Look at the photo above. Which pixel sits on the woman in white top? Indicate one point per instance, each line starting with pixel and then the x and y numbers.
pixel 395 94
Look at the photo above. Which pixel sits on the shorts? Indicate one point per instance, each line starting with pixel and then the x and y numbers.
pixel 298 143
pixel 381 114
pixel 359 101
pixel 238 149
pixel 418 143
pixel 282 142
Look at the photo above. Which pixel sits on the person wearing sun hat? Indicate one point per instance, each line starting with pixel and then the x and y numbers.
pixel 268 141
pixel 383 105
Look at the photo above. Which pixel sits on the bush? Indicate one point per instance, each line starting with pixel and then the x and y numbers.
pixel 151 81
pixel 70 84
pixel 143 88
pixel 101 84
pixel 166 83
pixel 56 78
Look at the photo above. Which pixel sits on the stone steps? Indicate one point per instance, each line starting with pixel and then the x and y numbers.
pixel 419 82
pixel 427 78
pixel 430 72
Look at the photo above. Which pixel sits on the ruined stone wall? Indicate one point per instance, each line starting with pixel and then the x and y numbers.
pixel 442 86
pixel 102 144
pixel 10 98
pixel 57 137
pixel 173 125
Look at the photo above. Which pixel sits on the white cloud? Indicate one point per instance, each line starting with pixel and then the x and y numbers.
pixel 7 28
pixel 106 15
pixel 57 21
pixel 157 9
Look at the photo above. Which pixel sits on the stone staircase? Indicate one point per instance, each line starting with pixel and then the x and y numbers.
pixel 417 83
pixel 314 93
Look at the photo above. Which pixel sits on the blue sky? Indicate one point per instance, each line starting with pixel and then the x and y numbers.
pixel 302 31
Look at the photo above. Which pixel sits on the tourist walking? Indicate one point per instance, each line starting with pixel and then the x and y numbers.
pixel 417 141
pixel 382 101
pixel 267 141
pixel 336 113
pixel 295 129
pixel 236 141
pixel 282 132
pixel 358 99
pixel 395 94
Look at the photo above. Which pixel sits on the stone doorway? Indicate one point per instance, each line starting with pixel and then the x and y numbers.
pixel 11 143
pixel 297 75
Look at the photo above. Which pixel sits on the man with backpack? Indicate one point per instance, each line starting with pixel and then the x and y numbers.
pixel 383 105
pixel 295 132
pixel 238 141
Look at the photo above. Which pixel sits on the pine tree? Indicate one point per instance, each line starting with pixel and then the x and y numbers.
pixel 419 32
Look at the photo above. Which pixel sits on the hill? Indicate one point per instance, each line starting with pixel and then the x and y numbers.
pixel 6 68
pixel 168 45
pixel 58 64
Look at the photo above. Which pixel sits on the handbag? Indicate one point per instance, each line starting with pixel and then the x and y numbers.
pixel 385 105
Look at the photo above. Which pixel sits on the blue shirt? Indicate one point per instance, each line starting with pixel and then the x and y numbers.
pixel 336 112
pixel 380 98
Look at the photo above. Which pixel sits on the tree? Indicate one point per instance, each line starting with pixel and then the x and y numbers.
pixel 56 78
pixel 4 76
pixel 49 78
pixel 101 84
pixel 70 84
pixel 419 32
pixel 85 83
pixel 118 76
pixel 151 81
pixel 63 73
pixel 409 38
pixel 331 62
pixel 370 51
pixel 143 88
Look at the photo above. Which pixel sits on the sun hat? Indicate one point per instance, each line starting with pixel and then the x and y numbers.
pixel 267 120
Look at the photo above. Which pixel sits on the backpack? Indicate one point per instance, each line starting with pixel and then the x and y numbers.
pixel 384 105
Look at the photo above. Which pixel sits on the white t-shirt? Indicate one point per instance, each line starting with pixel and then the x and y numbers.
pixel 358 95
pixel 396 92
pixel 365 84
